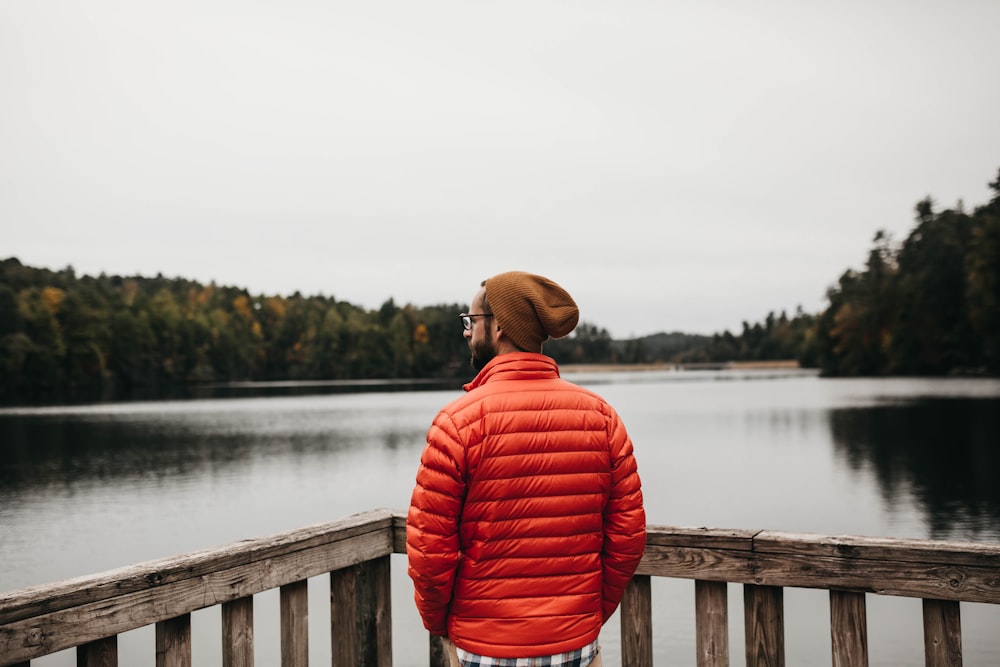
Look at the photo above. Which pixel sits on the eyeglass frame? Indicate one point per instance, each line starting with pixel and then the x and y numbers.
pixel 469 318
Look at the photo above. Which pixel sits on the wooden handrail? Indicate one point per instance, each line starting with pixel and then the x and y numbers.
pixel 961 571
pixel 44 619
pixel 90 612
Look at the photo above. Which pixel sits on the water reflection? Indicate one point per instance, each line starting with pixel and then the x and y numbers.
pixel 156 441
pixel 943 451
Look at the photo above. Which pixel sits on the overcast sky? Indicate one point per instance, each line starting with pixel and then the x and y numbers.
pixel 675 165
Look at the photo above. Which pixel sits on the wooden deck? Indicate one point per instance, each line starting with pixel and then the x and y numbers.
pixel 90 612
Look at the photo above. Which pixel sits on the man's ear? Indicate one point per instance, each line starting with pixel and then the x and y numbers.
pixel 503 343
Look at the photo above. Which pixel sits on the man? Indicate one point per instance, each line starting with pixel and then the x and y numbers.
pixel 526 522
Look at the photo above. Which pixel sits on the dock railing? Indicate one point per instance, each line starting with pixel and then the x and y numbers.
pixel 90 612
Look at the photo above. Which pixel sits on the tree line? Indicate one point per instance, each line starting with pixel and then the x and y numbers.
pixel 69 337
pixel 930 305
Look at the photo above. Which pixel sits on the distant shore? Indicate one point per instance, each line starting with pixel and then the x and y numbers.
pixel 722 365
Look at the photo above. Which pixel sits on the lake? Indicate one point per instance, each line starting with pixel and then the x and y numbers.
pixel 89 488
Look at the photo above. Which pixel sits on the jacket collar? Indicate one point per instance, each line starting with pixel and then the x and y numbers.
pixel 516 366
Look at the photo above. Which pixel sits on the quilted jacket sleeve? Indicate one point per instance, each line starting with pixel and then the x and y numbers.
pixel 624 519
pixel 432 544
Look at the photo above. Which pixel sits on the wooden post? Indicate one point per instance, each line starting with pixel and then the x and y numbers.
pixel 295 624
pixel 100 653
pixel 848 629
pixel 711 623
pixel 764 623
pixel 237 633
pixel 438 655
pixel 637 623
pixel 361 614
pixel 942 633
pixel 173 642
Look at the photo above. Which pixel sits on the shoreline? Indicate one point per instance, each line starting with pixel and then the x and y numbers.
pixel 779 364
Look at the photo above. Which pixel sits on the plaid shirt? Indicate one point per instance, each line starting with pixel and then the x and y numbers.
pixel 578 658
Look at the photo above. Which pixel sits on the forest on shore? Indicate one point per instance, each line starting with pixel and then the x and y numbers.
pixel 929 305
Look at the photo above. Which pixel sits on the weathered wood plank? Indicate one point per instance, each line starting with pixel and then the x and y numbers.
pixel 817 568
pixel 99 653
pixel 764 625
pixel 636 612
pixel 942 634
pixel 848 629
pixel 237 633
pixel 945 553
pixel 438 652
pixel 885 577
pixel 381 609
pixel 698 563
pixel 361 615
pixel 399 533
pixel 36 600
pixel 294 612
pixel 47 633
pixel 711 623
pixel 708 538
pixel 173 642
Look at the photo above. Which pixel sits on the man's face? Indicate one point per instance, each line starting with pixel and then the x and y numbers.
pixel 481 337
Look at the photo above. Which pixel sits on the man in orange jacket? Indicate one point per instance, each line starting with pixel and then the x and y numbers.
pixel 526 522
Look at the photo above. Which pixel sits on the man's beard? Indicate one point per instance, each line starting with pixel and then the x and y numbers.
pixel 482 353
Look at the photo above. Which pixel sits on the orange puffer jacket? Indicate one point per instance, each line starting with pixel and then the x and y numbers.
pixel 526 522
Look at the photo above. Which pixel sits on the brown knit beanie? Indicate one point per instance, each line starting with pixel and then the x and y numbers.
pixel 530 309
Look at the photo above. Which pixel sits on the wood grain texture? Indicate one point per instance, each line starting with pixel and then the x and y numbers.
pixel 711 604
pixel 764 626
pixel 100 653
pixel 942 633
pixel 961 571
pixel 36 600
pixel 636 612
pixel 237 633
pixel 438 654
pixel 294 613
pixel 848 629
pixel 173 642
pixel 360 615
pixel 47 633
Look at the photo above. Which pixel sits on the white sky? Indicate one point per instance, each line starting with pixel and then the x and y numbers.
pixel 675 165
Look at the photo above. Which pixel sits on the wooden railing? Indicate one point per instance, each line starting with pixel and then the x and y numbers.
pixel 90 612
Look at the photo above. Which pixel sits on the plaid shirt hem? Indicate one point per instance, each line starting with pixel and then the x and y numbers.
pixel 581 657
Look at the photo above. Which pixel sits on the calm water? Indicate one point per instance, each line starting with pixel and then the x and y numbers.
pixel 86 489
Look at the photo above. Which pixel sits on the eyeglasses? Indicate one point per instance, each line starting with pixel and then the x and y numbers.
pixel 468 317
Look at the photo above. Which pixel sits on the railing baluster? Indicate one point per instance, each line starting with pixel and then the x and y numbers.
pixel 173 642
pixel 237 633
pixel 361 614
pixel 848 629
pixel 764 622
pixel 438 654
pixel 295 624
pixel 100 653
pixel 942 633
pixel 712 623
pixel 637 623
